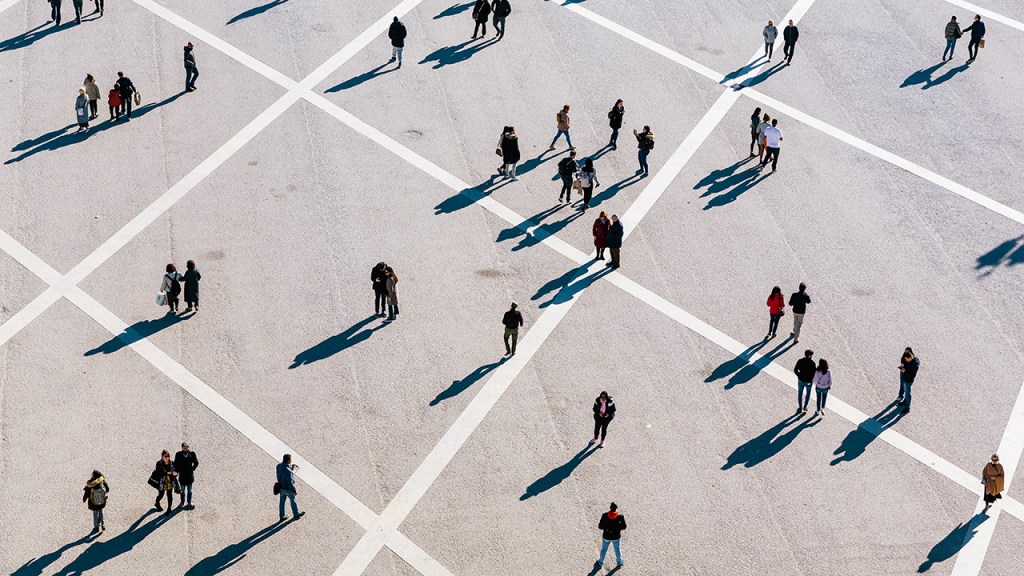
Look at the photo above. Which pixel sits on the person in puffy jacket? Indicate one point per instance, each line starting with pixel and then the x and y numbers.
pixel 611 526
pixel 952 33
pixel 481 10
pixel 604 412
pixel 95 496
pixel 776 308
pixel 615 122
pixel 114 101
pixel 397 34
pixel 509 145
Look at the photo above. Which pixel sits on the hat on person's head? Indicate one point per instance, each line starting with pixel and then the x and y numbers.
pixel 184 444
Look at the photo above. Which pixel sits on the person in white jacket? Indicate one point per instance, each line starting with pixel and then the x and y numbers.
pixel 770 33
pixel 171 286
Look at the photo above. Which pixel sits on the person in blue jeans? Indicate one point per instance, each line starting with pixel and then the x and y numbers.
pixel 952 34
pixel 611 525
pixel 822 384
pixel 804 377
pixel 563 125
pixel 286 481
pixel 191 70
pixel 909 364
pixel 644 144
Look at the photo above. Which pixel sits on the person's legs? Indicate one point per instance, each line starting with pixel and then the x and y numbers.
pixel 510 169
pixel 588 193
pixel 775 158
pixel 798 322
pixel 618 553
pixel 604 429
pixel 128 105
pixel 824 398
pixel 773 324
pixel 767 49
pixel 557 135
pixel 604 550
pixel 97 519
pixel 186 492
pixel 400 56
pixel 93 107
pixel 499 27
pixel 280 507
pixel 568 139
pixel 597 429
pixel 508 335
pixel 566 187
pixel 819 400
pixel 295 506
pixel 515 339
pixel 392 310
pixel 947 54
pixel 972 49
pixel 615 257
pixel 907 387
pixel 903 390
pixel 77 5
pixel 615 137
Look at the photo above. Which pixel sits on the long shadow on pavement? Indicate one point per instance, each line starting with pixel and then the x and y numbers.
pixel 768 443
pixel 469 196
pixel 1009 253
pixel 342 341
pixel 734 186
pixel 768 73
pixel 454 10
pixel 747 373
pixel 30 37
pixel 742 369
pixel 138 331
pixel 256 11
pixel 234 553
pixel 557 475
pixel 567 286
pixel 456 53
pixel 539 230
pixel 857 441
pixel 610 192
pixel 36 566
pixel 364 77
pixel 460 386
pixel 101 551
pixel 953 542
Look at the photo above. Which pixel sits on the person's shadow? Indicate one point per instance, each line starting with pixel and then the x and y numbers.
pixel 735 186
pixel 138 331
pixel 460 386
pixel 857 441
pixel 952 543
pixel 457 53
pixel 735 364
pixel 102 550
pixel 469 196
pixel 1009 253
pixel 256 11
pixel 28 38
pixel 610 192
pixel 364 77
pixel 557 475
pixel 751 369
pixel 568 285
pixel 234 553
pixel 36 566
pixel 922 76
pixel 454 10
pixel 341 341
pixel 768 443
pixel 766 74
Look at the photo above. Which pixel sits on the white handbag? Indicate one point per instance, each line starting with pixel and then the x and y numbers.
pixel 161 298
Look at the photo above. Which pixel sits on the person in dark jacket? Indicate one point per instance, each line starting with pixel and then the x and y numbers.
pixel 501 9
pixel 776 308
pixel 611 526
pixel 755 120
pixel 567 169
pixel 481 10
pixel 614 239
pixel 604 412
pixel 588 179
pixel 55 12
pixel 509 152
pixel 790 34
pixel 600 232
pixel 615 122
pixel 397 34
pixel 127 89
pixel 192 278
pixel 379 279
pixel 286 484
pixel 512 320
pixel 166 477
pixel 95 496
pixel 952 34
pixel 909 365
pixel 185 464
pixel 804 380
pixel 644 144
pixel 977 30
pixel 191 70
pixel 798 301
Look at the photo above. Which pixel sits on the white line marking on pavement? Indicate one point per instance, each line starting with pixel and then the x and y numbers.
pixel 991 16
pixel 972 555
pixel 5 4
pixel 26 315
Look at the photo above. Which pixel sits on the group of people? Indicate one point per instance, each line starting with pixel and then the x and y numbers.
pixel 55 10
pixel 767 137
pixel 385 291
pixel 174 283
pixel 119 99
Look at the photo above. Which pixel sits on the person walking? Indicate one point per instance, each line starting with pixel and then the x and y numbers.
pixel 481 10
pixel 114 101
pixel 770 33
pixel 513 320
pixel 171 286
pixel 614 240
pixel 644 145
pixel 909 365
pixel 822 384
pixel 92 91
pixel 501 9
pixel 286 485
pixel 95 496
pixel 600 232
pixel 562 124
pixel 191 278
pixel 191 70
pixel 185 464
pixel 127 89
pixel 952 34
pixel 772 142
pixel 567 169
pixel 588 179
pixel 615 122
pixel 798 301
pixel 82 110
pixel 977 30
pixel 755 119
pixel 604 412
pixel 166 479
pixel 391 283
pixel 99 7
pixel 509 145
pixel 55 12
pixel 397 34
pixel 776 309
pixel 993 477
pixel 611 525
pixel 766 123
pixel 790 34
pixel 804 371
pixel 78 10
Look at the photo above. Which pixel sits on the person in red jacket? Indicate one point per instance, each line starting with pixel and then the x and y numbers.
pixel 601 226
pixel 776 308
pixel 114 101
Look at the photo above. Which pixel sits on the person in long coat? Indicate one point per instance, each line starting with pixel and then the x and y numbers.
pixel 600 232
pixel 82 110
pixel 481 10
pixel 392 287
pixel 166 477
pixel 510 152
pixel 191 289
pixel 93 92
pixel 993 479
pixel 614 240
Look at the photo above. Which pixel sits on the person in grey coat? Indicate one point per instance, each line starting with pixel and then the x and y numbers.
pixel 82 110
pixel 770 33
pixel 952 34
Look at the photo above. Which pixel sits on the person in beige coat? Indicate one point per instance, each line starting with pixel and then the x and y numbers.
pixel 391 281
pixel 992 477
pixel 92 92
pixel 562 122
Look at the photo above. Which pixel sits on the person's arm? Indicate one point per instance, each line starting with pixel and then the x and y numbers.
pixel 521 319
pixel 623 522
pixel 198 276
pixel 195 461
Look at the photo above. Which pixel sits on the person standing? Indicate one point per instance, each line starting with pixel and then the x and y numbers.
pixel 82 110
pixel 509 146
pixel 909 365
pixel 379 280
pixel 977 30
pixel 755 119
pixel 166 476
pixel 171 285
pixel 397 34
pixel 391 282
pixel 798 301
pixel 790 34
pixel 776 309
pixel 95 497
pixel 600 232
pixel 952 34
pixel 822 384
pixel 993 477
pixel 501 9
pixel 513 320
pixel 92 91
pixel 615 122
pixel 185 464
pixel 114 101
pixel 588 179
pixel 192 278
pixel 78 10
pixel 481 10
pixel 567 169
pixel 772 142
pixel 614 240
pixel 55 12
pixel 770 33
pixel 562 124
pixel 611 525
pixel 286 483
pixel 127 89
pixel 99 7
pixel 761 127
pixel 191 70
pixel 644 145
pixel 804 371
pixel 604 412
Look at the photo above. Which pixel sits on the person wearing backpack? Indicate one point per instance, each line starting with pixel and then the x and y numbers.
pixel 95 496
pixel 500 9
pixel 567 169
pixel 645 143
pixel 615 122
pixel 171 286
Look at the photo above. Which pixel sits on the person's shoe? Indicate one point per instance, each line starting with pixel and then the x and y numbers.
pixel 94 531
pixel 816 412
pixel 805 409
pixel 158 507
pixel 822 413
pixel 514 179
pixel 282 518
pixel 900 402
pixel 103 527
pixel 390 61
pixel 600 257
pixel 300 515
pixel 551 148
pixel 168 513
pixel 572 147
pixel 614 147
pixel 594 441
pixel 797 341
pixel 905 411
pixel 601 445
pixel 399 66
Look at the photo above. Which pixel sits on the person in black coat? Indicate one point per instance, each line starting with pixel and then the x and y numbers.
pixel 55 12
pixel 977 30
pixel 397 34
pixel 191 70
pixel 191 291
pixel 379 278
pixel 604 412
pixel 127 89
pixel 185 463
pixel 501 9
pixel 790 34
pixel 567 169
pixel 615 122
pixel 509 152
pixel 614 240
pixel 481 11
pixel 611 526
pixel 165 477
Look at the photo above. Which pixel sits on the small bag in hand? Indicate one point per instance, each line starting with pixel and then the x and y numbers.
pixel 981 43
pixel 277 488
pixel 161 298
pixel 497 151
pixel 138 98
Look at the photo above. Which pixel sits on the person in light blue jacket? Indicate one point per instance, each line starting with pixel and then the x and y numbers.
pixel 82 110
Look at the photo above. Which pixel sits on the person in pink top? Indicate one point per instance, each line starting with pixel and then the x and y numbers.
pixel 604 411
pixel 822 384
pixel 776 308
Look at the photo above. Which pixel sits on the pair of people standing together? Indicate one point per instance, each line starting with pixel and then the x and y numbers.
pixel 809 375
pixel 176 476
pixel 171 287
pixel 385 291
pixel 608 235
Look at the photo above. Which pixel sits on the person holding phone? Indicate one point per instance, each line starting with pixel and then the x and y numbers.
pixel 286 481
